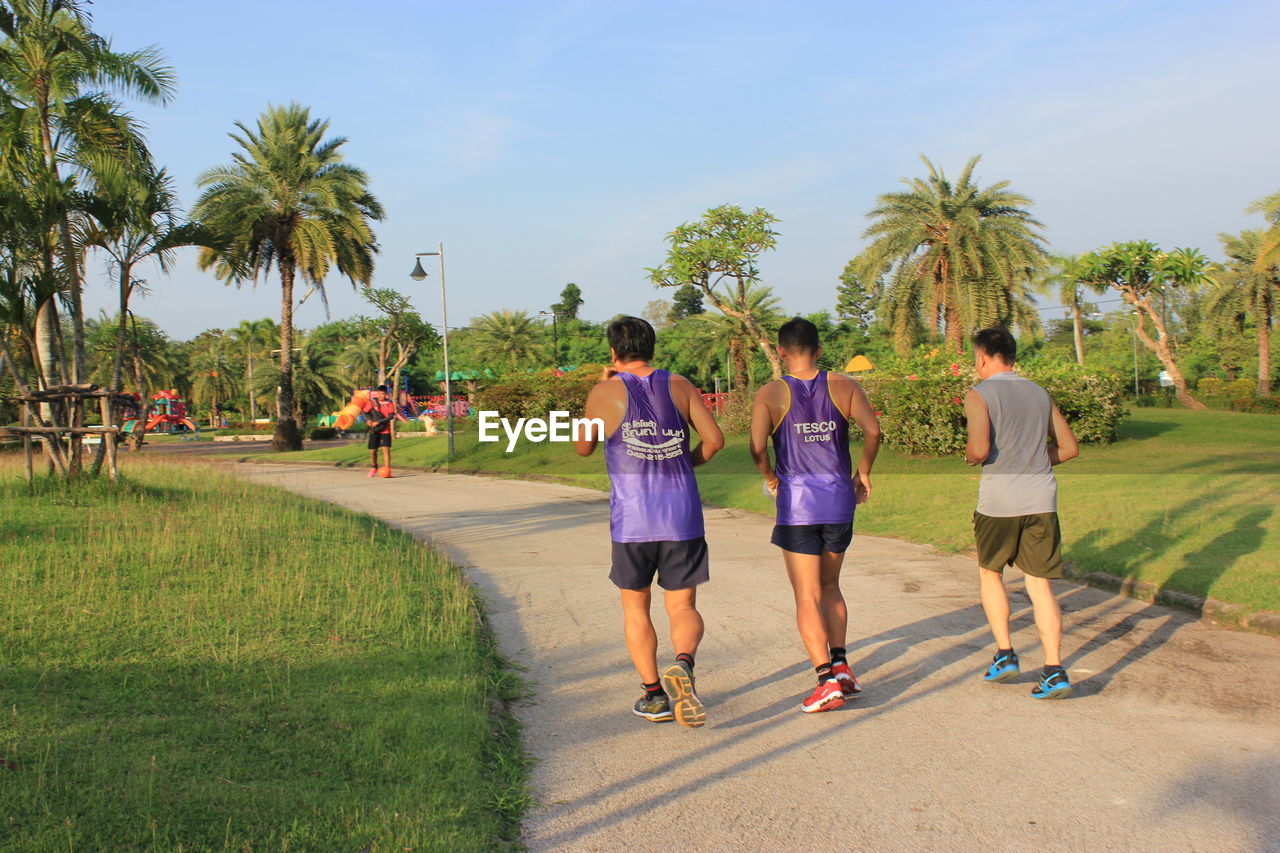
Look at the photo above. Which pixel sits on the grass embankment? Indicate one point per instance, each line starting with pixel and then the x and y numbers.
pixel 1185 500
pixel 190 661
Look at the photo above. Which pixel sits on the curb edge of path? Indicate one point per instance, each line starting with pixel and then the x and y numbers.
pixel 1210 610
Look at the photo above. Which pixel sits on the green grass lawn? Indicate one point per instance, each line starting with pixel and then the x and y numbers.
pixel 193 662
pixel 1186 500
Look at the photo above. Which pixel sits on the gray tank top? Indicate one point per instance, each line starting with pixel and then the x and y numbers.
pixel 1017 478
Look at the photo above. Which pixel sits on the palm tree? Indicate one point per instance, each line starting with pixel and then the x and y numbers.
pixel 288 200
pixel 255 336
pixel 953 256
pixel 509 338
pixel 1245 290
pixel 1269 248
pixel 59 73
pixel 715 333
pixel 319 380
pixel 1062 281
pixel 135 218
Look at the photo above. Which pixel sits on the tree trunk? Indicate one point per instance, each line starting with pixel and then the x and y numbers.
pixel 1075 327
pixel 741 370
pixel 955 333
pixel 287 435
pixel 753 328
pixel 1160 346
pixel 1264 345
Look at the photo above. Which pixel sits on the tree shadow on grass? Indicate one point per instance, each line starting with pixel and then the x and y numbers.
pixel 1199 571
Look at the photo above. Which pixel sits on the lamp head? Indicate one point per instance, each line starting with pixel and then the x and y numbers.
pixel 418 273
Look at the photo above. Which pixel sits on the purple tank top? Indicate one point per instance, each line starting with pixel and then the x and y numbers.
pixel 811 452
pixel 653 495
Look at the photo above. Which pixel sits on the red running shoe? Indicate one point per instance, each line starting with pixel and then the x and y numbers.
pixel 849 685
pixel 827 697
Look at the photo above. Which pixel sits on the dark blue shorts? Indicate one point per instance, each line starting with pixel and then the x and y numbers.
pixel 678 565
pixel 813 538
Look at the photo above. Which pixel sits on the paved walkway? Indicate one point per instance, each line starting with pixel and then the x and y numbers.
pixel 1172 741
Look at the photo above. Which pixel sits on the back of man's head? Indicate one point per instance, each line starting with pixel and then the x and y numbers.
pixel 632 339
pixel 996 342
pixel 798 335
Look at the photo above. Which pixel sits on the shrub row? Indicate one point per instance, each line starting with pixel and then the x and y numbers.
pixel 533 395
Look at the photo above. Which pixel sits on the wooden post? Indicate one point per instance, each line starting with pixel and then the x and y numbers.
pixel 26 450
pixel 107 407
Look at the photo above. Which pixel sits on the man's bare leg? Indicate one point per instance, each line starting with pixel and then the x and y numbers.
pixel 637 626
pixel 686 621
pixel 835 615
pixel 995 603
pixel 686 634
pixel 805 573
pixel 1048 618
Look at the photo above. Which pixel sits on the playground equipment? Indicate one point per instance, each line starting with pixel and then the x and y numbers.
pixel 346 416
pixel 168 414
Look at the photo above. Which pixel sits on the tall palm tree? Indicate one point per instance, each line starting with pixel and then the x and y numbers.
pixel 288 200
pixel 319 380
pixel 509 338
pixel 255 338
pixel 1062 281
pixel 135 218
pixel 1269 248
pixel 60 76
pixel 952 255
pixel 1245 290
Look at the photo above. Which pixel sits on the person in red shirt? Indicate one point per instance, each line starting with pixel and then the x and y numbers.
pixel 380 417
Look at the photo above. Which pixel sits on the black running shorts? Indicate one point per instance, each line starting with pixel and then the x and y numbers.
pixel 379 439
pixel 678 565
pixel 813 539
pixel 1033 543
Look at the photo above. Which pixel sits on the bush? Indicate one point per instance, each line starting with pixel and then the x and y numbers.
pixel 533 395
pixel 1238 388
pixel 921 404
pixel 734 417
pixel 323 433
pixel 1210 386
pixel 1257 405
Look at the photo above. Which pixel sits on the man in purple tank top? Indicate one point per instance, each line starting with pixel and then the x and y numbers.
pixel 807 414
pixel 655 512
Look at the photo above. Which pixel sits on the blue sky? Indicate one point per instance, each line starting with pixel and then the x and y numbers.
pixel 560 141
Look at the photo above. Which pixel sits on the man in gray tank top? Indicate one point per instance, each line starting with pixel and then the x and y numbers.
pixel 1016 524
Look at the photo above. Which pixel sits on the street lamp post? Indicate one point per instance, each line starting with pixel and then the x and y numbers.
pixel 419 274
pixel 555 338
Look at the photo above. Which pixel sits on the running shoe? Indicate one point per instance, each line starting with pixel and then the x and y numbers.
pixel 849 685
pixel 1003 667
pixel 678 682
pixel 373 472
pixel 656 709
pixel 1055 685
pixel 827 697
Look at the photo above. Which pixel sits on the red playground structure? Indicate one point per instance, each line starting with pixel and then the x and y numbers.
pixel 168 414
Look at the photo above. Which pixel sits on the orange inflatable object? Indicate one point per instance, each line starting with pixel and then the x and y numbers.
pixel 384 472
pixel 346 416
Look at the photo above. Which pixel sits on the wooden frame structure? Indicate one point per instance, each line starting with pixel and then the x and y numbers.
pixel 67 401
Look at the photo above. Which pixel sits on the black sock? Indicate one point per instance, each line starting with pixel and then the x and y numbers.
pixel 1004 653
pixel 653 690
pixel 1050 670
pixel 824 672
pixel 838 655
pixel 686 659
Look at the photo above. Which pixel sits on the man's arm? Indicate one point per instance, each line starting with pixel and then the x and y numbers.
pixel 711 439
pixel 762 427
pixel 977 446
pixel 1064 445
pixel 595 408
pixel 865 417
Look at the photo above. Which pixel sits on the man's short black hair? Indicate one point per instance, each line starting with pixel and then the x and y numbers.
pixel 799 335
pixel 997 342
pixel 631 339
pixel 383 389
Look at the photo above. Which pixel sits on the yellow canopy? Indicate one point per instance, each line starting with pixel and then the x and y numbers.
pixel 858 364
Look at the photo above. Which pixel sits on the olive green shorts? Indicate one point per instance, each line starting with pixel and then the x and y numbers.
pixel 1033 543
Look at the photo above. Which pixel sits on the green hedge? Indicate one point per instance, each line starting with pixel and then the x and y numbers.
pixel 533 395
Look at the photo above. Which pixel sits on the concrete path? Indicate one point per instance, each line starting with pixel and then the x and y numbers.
pixel 1172 741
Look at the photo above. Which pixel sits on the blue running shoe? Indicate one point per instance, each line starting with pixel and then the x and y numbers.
pixel 1055 685
pixel 1003 667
